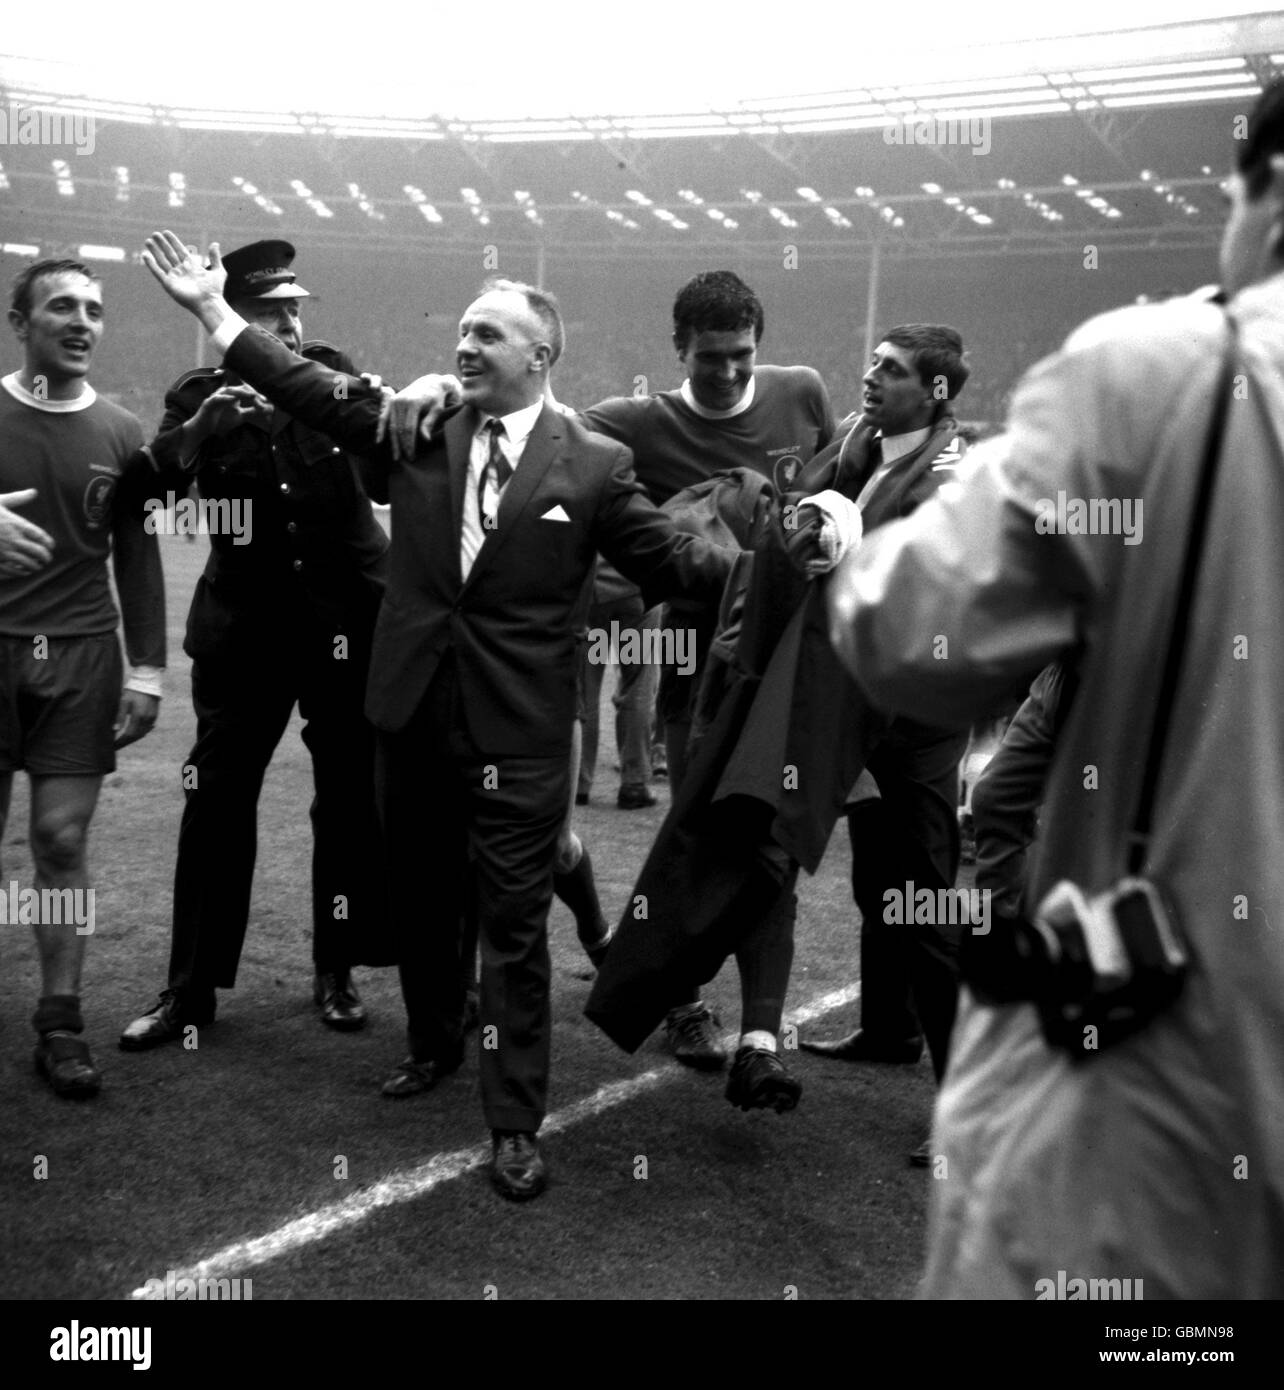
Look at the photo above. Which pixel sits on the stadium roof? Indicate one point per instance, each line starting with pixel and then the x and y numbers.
pixel 1028 156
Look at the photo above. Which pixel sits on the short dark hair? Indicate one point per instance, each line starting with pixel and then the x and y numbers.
pixel 1265 138
pixel 24 283
pixel 938 351
pixel 715 301
pixel 542 304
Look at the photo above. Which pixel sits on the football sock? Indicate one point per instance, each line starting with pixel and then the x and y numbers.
pixel 58 1013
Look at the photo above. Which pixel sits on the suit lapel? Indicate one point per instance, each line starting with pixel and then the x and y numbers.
pixel 541 449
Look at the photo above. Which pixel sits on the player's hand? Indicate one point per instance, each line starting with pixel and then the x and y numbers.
pixel 802 541
pixel 137 716
pixel 184 274
pixel 24 546
pixel 229 406
pixel 415 410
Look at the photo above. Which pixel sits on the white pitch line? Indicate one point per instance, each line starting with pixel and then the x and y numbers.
pixel 235 1259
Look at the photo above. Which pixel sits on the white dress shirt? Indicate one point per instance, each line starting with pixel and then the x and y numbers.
pixel 895 447
pixel 512 444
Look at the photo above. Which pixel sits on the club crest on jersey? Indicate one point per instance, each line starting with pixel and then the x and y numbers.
pixel 98 501
pixel 785 470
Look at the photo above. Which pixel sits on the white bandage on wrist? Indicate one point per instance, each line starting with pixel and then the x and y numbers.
pixel 841 528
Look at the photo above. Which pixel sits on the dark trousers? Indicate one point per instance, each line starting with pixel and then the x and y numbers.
pixel 454 812
pixel 242 709
pixel 909 973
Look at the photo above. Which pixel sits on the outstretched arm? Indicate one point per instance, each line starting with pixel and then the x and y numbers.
pixel 336 403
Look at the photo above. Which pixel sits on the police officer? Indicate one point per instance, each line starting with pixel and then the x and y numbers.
pixel 282 615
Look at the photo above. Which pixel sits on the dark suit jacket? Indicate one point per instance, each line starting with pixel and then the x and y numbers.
pixel 315 549
pixel 786 733
pixel 511 624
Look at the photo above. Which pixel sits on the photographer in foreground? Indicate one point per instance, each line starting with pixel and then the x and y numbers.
pixel 1156 1152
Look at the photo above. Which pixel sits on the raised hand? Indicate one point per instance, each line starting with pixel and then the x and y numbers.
pixel 182 273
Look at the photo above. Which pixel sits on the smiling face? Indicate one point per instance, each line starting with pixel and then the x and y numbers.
pixel 60 333
pixel 502 355
pixel 894 399
pixel 279 317
pixel 719 366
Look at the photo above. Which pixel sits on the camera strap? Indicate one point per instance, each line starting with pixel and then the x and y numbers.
pixel 1139 838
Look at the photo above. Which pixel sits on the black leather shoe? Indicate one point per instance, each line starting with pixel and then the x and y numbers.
pixel 635 796
pixel 517 1168
pixel 759 1081
pixel 694 1039
pixel 336 996
pixel 411 1078
pixel 64 1062
pixel 860 1047
pixel 922 1156
pixel 176 1010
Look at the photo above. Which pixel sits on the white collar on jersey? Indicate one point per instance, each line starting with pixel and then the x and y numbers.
pixel 705 413
pixel 20 393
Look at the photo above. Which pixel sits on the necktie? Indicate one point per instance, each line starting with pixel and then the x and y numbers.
pixel 498 469
pixel 873 463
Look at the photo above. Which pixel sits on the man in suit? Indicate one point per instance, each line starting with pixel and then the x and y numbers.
pixel 496 522
pixel 722 873
pixel 728 414
pixel 902 815
pixel 283 615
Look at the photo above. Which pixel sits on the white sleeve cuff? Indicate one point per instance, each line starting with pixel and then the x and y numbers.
pixel 841 527
pixel 231 327
pixel 146 680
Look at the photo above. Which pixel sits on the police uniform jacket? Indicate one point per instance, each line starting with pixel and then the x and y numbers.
pixel 313 551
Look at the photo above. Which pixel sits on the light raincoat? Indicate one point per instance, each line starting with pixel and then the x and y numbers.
pixel 1162 1159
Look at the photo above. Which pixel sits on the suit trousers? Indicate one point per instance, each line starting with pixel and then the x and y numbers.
pixel 909 973
pixel 242 709
pixel 460 819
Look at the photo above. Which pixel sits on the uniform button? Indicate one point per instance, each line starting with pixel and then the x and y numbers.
pixel 298 564
pixel 285 488
pixel 292 527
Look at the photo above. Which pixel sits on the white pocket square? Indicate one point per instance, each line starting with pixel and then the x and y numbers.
pixel 557 513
